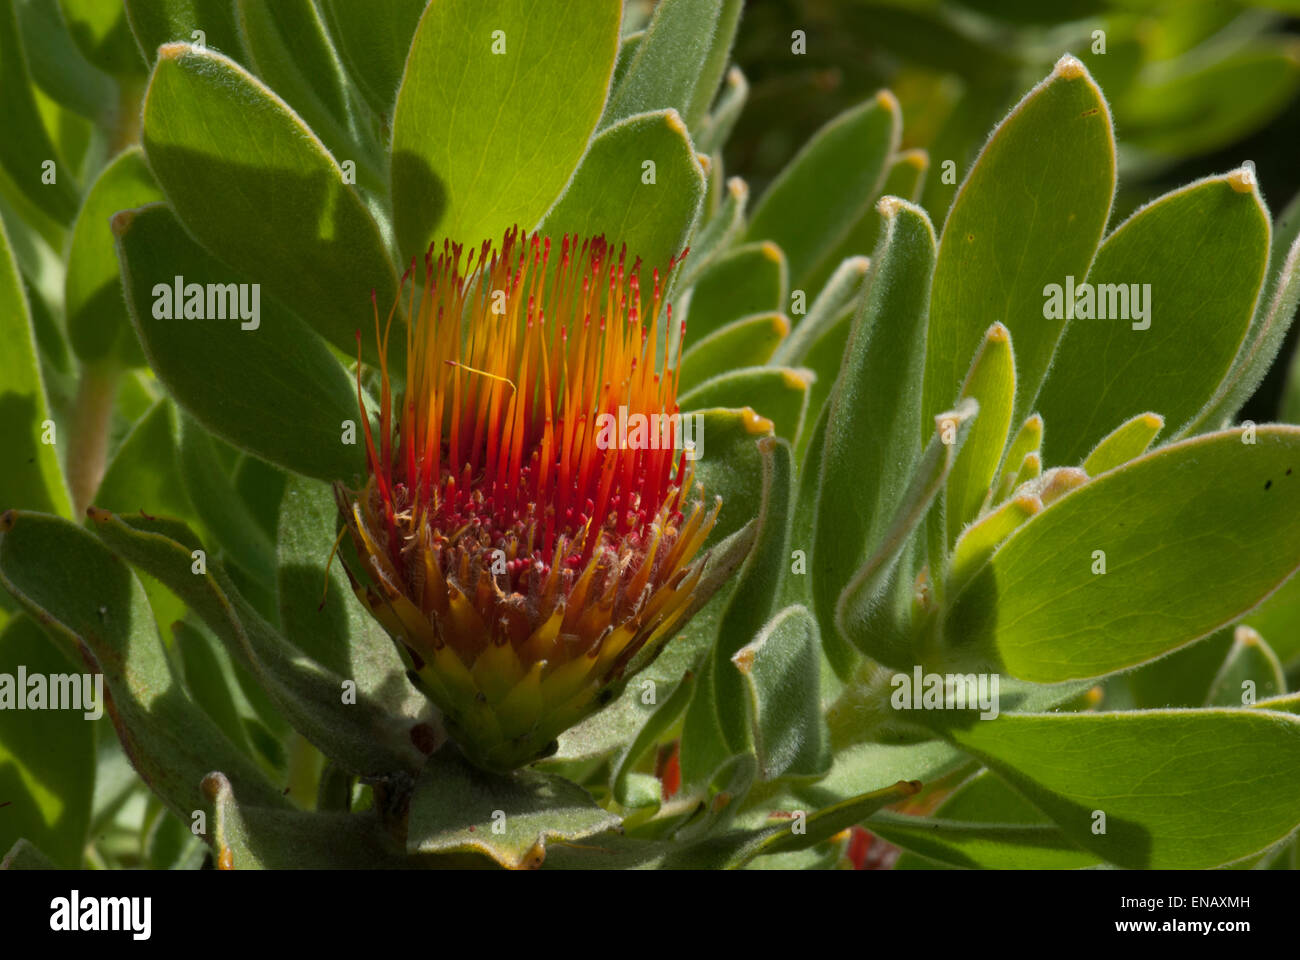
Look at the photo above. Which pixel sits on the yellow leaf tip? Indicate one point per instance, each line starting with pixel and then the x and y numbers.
pixel 744 659
pixel 1153 421
pixel 772 252
pixel 797 379
pixel 887 101
pixel 754 423
pixel 705 162
pixel 915 158
pixel 174 50
pixel 1059 481
pixel 998 334
pixel 1243 178
pixel 1069 68
pixel 737 187
pixel 781 324
pixel 1028 503
pixel 533 859
pixel 675 122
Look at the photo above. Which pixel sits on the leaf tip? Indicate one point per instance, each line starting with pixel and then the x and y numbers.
pixel 798 379
pixel 174 50
pixel 121 221
pixel 1247 636
pixel 675 122
pixel 213 785
pixel 998 333
pixel 888 207
pixel 1069 67
pixel 705 162
pixel 954 418
pixel 886 100
pixel 1153 421
pixel 532 860
pixel 1028 504
pixel 738 188
pixel 1059 481
pixel 1242 179
pixel 754 423
pixel 744 659
pixel 915 158
pixel 781 324
pixel 771 251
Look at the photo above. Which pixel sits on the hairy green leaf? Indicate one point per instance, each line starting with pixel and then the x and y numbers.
pixel 242 197
pixel 1030 212
pixel 1046 611
pixel 613 192
pixel 496 105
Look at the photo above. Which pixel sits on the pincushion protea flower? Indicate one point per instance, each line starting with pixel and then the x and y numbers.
pixel 521 560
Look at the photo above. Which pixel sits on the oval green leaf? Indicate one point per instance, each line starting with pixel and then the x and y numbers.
pixel 613 192
pixel 32 477
pixel 1210 511
pixel 88 597
pixel 1030 212
pixel 284 217
pixel 1165 308
pixel 275 390
pixel 824 191
pixel 496 106
pixel 1170 783
pixel 748 279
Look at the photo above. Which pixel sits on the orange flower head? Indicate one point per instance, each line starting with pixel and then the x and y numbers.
pixel 525 560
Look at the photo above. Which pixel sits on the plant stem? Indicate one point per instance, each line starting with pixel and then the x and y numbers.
pixel 125 125
pixel 88 448
pixel 306 764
